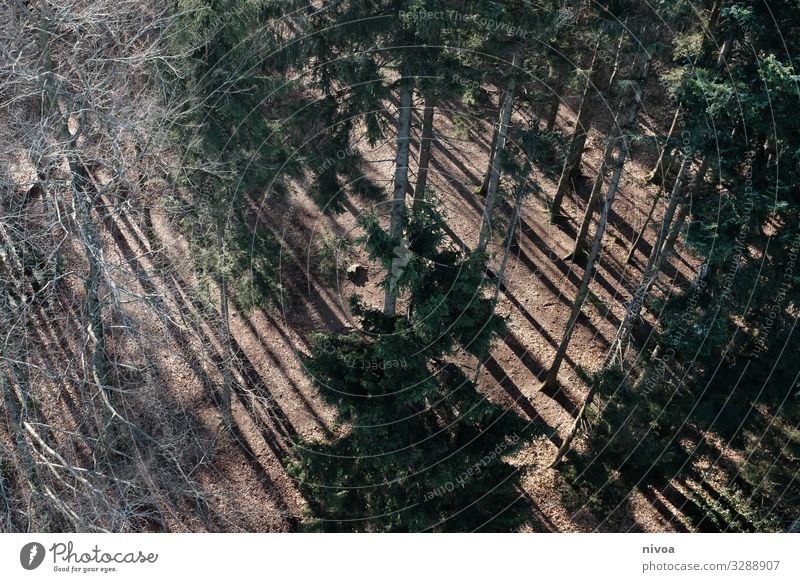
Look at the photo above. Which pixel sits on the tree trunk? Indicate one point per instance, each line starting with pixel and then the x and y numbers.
pixel 642 230
pixel 724 52
pixel 675 231
pixel 82 204
pixel 512 227
pixel 400 185
pixel 576 424
pixel 575 152
pixel 227 415
pixel 579 250
pixel 713 18
pixel 669 213
pixel 581 239
pixel 90 240
pixel 708 42
pixel 551 379
pixel 619 344
pixel 497 158
pixel 16 416
pixel 658 174
pixel 484 187
pixel 425 143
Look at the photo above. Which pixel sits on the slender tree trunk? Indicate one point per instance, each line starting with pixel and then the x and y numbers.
pixel 90 240
pixel 551 379
pixel 17 414
pixel 713 18
pixel 580 419
pixel 658 174
pixel 512 227
pixel 708 42
pixel 555 105
pixel 497 159
pixel 642 230
pixel 400 184
pixel 484 187
pixel 581 239
pixel 669 213
pixel 552 375
pixel 82 205
pixel 675 231
pixel 425 143
pixel 575 152
pixel 651 269
pixel 226 329
pixel 727 45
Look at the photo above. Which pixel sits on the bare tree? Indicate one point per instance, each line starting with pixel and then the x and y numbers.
pixel 424 158
pixel 551 378
pixel 497 155
pixel 572 163
pixel 400 183
pixel 81 122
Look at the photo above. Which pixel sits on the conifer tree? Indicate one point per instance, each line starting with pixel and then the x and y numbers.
pixel 551 377
pixel 425 450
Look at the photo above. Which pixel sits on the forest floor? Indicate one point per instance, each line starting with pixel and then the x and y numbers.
pixel 244 484
pixel 538 291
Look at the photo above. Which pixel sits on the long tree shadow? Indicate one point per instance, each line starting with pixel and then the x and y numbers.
pixel 689 508
pixel 437 146
pixel 507 384
pixel 267 484
pixel 542 522
pixel 307 405
pixel 65 394
pixel 85 452
pixel 561 297
pixel 560 395
pixel 648 491
pixel 478 133
pixel 283 428
pixel 293 270
pixel 566 270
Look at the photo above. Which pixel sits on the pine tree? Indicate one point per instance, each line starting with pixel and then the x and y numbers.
pixel 424 450
pixel 627 124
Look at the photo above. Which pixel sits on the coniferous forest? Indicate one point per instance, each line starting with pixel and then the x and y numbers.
pixel 399 266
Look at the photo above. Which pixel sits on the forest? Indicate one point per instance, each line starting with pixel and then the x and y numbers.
pixel 399 266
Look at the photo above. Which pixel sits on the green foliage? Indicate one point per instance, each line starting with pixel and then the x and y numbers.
pixel 234 140
pixel 331 257
pixel 423 450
